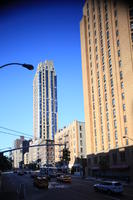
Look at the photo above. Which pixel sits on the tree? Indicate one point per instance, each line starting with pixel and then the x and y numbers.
pixel 5 163
pixel 66 155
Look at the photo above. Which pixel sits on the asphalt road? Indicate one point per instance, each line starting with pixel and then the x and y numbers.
pixel 15 187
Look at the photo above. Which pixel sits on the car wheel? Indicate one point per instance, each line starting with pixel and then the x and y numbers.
pixel 109 192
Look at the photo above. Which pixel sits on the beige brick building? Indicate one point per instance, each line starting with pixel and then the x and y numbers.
pixel 106 30
pixel 74 137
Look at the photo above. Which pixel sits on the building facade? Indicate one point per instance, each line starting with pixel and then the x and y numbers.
pixel 106 31
pixel 18 154
pixel 74 138
pixel 42 152
pixel 45 114
pixel 45 101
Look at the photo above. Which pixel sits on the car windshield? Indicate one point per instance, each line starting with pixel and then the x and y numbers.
pixel 117 184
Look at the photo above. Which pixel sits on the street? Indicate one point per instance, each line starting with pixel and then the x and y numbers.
pixel 15 187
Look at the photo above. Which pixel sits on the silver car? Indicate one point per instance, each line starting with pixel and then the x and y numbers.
pixel 109 186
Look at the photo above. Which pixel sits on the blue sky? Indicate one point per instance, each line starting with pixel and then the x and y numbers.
pixel 31 33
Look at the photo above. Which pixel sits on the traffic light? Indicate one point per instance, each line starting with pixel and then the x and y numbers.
pixel 66 155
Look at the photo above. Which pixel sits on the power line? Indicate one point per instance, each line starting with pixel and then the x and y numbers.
pixel 12 134
pixel 15 131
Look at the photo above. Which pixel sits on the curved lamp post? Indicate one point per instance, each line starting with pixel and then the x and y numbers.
pixel 28 66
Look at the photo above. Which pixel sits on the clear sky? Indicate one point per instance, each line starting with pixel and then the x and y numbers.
pixel 30 33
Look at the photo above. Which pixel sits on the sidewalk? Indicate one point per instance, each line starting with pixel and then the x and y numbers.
pixel 90 178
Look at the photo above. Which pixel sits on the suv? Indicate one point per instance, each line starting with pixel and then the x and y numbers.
pixel 109 186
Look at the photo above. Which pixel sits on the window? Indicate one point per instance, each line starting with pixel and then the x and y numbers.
pixel 111 74
pixel 117 32
pixel 99 92
pixel 106 106
pixel 107 26
pixel 118 53
pixel 125 130
pixel 80 128
pixel 115 13
pixel 108 44
pixel 105 96
pixel 80 135
pixel 110 63
pixel 112 84
pixel 107 116
pixel 122 85
pixel 105 88
pixel 120 63
pixel 98 83
pixel 103 60
pixel 109 53
pixel 102 51
pixel 114 113
pixel 124 107
pixel 115 123
pixel 125 118
pixel 112 92
pixel 121 75
pixel 81 143
pixel 116 135
pixel 113 102
pixel 88 12
pixel 106 16
pixel 81 149
pixel 107 34
pixel 103 68
pixel 98 74
pixel 118 43
pixel 123 95
pixel 116 23
pixel 104 78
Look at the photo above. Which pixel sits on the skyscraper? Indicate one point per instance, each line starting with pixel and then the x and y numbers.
pixel 45 101
pixel 106 31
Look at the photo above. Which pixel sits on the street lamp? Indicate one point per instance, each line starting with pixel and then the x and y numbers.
pixel 28 66
pixel 127 137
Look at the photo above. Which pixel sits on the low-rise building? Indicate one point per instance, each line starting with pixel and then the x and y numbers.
pixel 42 152
pixel 117 163
pixel 26 158
pixel 73 136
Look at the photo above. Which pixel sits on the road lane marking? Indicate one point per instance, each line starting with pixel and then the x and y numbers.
pixel 110 197
pixel 129 195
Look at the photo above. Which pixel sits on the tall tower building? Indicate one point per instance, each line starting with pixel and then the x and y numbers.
pixel 106 31
pixel 45 101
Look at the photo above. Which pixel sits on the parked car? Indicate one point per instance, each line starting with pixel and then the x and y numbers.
pixel 21 172
pixel 41 182
pixel 33 174
pixel 109 186
pixel 64 178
